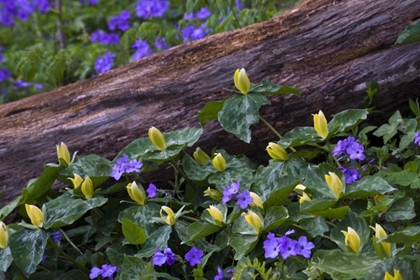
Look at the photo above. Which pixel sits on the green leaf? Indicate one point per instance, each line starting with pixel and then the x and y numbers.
pixel 141 215
pixel 158 239
pixel 210 111
pixel 159 275
pixel 402 209
pixel 132 232
pixel 343 265
pixel 387 131
pixel 116 253
pixel 314 226
pixel 27 248
pixel 5 258
pixel 300 136
pixel 64 210
pixel 317 205
pixel 132 268
pixel 274 217
pixel 267 87
pixel 199 230
pixel 315 180
pixel 242 244
pixel 408 235
pixel 240 112
pixel 241 226
pixel 332 213
pixel 368 186
pixel 347 119
pixel 196 171
pixel 411 34
pixel 379 270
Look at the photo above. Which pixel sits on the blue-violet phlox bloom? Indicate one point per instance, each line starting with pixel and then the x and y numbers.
pixel 151 190
pixel 417 138
pixel 151 8
pixel 304 247
pixel 194 256
pixel 167 256
pixel 230 191
pixel 104 63
pixel 244 199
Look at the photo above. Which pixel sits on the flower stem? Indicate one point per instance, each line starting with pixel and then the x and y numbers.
pixel 69 241
pixel 273 130
pixel 68 257
pixel 329 151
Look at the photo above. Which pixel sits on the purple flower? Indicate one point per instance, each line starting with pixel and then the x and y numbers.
pixel 304 247
pixel 104 38
pixel 287 247
pixel 160 43
pixel 142 49
pixel 56 236
pixel 151 8
pixel 244 199
pixel 121 21
pixel 23 9
pixel 355 151
pixel 91 2
pixel 22 84
pixel 108 270
pixel 39 86
pixel 159 258
pixel 123 165
pixel 95 272
pixel 194 256
pixel 188 16
pixel 271 246
pixel 220 274
pixel 133 166
pixel 350 174
pixel 230 191
pixel 191 33
pixel 104 63
pixel 151 190
pixel 4 74
pixel 42 5
pixel 203 13
pixel 417 138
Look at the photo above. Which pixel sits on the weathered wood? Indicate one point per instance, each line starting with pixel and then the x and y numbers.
pixel 329 49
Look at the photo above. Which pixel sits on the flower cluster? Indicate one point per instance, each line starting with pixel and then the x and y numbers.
pixel 56 236
pixel 102 37
pixel 286 247
pixel 91 2
pixel 21 10
pixel 350 147
pixel 166 256
pixel 4 74
pixel 142 49
pixel 191 33
pixel 194 256
pixel 417 138
pixel 350 174
pixel 151 8
pixel 243 199
pixel 123 165
pixel 104 63
pixel 106 271
pixel 121 21
pixel 201 14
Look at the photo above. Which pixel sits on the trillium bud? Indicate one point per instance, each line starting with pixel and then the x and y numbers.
pixel 170 218
pixel 87 188
pixel 216 214
pixel 397 275
pixel 63 153
pixel 157 138
pixel 35 214
pixel 135 193
pixel 213 194
pixel 304 197
pixel 256 200
pixel 352 240
pixel 383 249
pixel 241 80
pixel 77 180
pixel 335 184
pixel 254 220
pixel 320 124
pixel 4 235
pixel 201 157
pixel 277 152
pixel 219 162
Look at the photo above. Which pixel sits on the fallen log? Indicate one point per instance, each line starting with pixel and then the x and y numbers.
pixel 329 49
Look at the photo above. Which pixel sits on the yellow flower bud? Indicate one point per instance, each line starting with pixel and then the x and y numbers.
pixel 216 214
pixel 397 275
pixel 254 220
pixel 219 162
pixel 241 80
pixel 63 153
pixel 157 138
pixel 378 199
pixel 335 184
pixel 320 124
pixel 352 240
pixel 256 200
pixel 4 235
pixel 76 181
pixel 213 194
pixel 170 218
pixel 304 197
pixel 201 157
pixel 383 249
pixel 87 188
pixel 35 214
pixel 135 193
pixel 277 152
pixel 300 187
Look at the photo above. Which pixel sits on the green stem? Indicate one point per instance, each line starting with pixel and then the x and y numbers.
pixel 234 15
pixel 19 271
pixel 273 130
pixel 190 218
pixel 329 151
pixel 69 241
pixel 68 257
pixel 179 169
pixel 329 223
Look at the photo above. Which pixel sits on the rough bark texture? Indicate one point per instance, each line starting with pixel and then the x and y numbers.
pixel 329 49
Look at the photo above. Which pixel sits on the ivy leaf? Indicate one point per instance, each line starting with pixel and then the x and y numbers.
pixel 199 230
pixel 240 112
pixel 402 209
pixel 158 239
pixel 274 217
pixel 5 259
pixel 210 111
pixel 410 234
pixel 267 87
pixel 387 131
pixel 347 119
pixel 411 34
pixel 368 186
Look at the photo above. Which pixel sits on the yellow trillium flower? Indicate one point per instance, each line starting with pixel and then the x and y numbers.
pixel 277 152
pixel 157 138
pixel 87 188
pixel 77 180
pixel 383 249
pixel 35 214
pixel 320 124
pixel 170 218
pixel 254 220
pixel 397 275
pixel 335 184
pixel 352 240
pixel 4 235
pixel 241 80
pixel 135 193
pixel 256 200
pixel 215 213
pixel 213 194
pixel 201 157
pixel 304 197
pixel 63 153
pixel 219 162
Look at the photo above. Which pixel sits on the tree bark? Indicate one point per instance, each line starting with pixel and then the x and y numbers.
pixel 329 49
